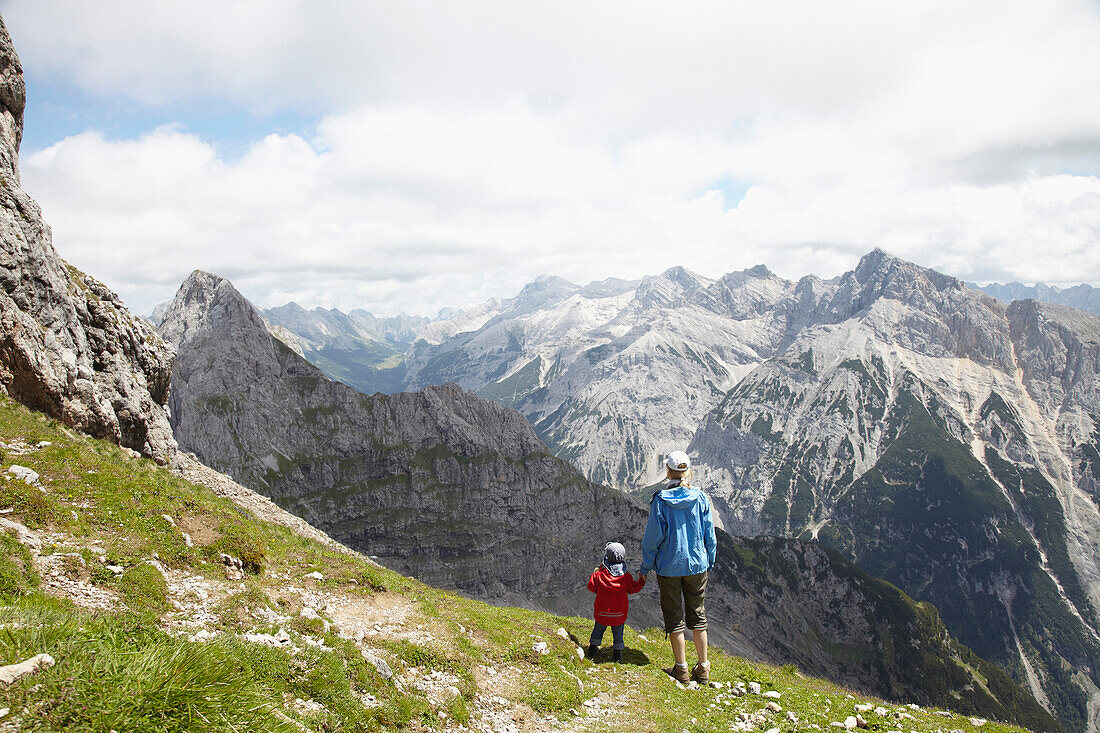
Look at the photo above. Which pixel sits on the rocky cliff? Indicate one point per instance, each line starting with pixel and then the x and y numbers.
pixel 460 492
pixel 68 346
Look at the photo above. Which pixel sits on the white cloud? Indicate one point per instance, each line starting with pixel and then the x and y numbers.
pixel 463 149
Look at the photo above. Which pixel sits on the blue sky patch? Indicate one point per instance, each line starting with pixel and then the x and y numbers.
pixel 56 110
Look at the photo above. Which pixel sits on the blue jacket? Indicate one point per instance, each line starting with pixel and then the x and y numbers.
pixel 679 536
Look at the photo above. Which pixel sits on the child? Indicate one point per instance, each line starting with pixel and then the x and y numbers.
pixel 611 584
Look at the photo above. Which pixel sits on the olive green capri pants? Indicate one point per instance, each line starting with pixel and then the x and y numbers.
pixel 679 593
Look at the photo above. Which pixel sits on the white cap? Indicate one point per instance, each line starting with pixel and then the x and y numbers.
pixel 677 460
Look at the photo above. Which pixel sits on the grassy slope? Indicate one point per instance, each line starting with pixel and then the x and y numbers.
pixel 131 666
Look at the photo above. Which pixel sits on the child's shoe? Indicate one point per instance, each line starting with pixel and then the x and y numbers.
pixel 593 650
pixel 617 655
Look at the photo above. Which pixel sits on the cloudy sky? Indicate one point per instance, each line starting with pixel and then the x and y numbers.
pixel 413 155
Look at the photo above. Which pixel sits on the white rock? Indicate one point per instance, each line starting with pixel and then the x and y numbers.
pixel 863 708
pixel 168 518
pixel 562 633
pixel 23 535
pixel 773 694
pixel 754 688
pixel 116 569
pixel 772 730
pixel 265 639
pixel 379 664
pixel 773 706
pixel 860 722
pixel 541 648
pixel 737 691
pixel 850 722
pixel 579 652
pixel 15 672
pixel 308 613
pixel 881 711
pixel 978 722
pixel 315 575
pixel 452 692
pixel 23 473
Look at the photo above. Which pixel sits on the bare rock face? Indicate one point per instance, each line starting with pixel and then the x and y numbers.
pixel 68 346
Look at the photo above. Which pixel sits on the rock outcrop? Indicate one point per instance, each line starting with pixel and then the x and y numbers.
pixel 68 346
pixel 459 492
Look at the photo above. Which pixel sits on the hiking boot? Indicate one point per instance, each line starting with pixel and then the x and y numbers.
pixel 593 650
pixel 617 655
pixel 701 673
pixel 680 674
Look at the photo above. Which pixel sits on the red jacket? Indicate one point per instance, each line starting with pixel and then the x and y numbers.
pixel 612 604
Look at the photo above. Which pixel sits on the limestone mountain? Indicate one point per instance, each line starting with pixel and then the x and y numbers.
pixel 460 492
pixel 615 373
pixel 945 442
pixel 68 346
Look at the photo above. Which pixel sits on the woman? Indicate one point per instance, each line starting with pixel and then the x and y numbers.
pixel 679 544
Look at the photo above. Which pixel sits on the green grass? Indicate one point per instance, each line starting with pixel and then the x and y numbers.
pixel 143 587
pixel 120 672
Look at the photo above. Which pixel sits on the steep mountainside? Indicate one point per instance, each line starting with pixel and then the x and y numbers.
pixel 945 443
pixel 68 347
pixel 1085 297
pixel 460 492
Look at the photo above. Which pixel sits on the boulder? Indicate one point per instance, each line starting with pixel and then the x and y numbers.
pixel 14 672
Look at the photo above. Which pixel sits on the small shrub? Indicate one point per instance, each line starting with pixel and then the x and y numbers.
pixel 17 575
pixel 144 588
pixel 29 502
pixel 238 541
pixel 235 610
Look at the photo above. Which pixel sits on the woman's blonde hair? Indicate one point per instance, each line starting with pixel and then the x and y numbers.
pixel 683 476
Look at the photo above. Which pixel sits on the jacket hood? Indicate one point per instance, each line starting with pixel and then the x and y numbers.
pixel 606 580
pixel 680 496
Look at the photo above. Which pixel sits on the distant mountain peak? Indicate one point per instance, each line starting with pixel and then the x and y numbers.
pixel 205 299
